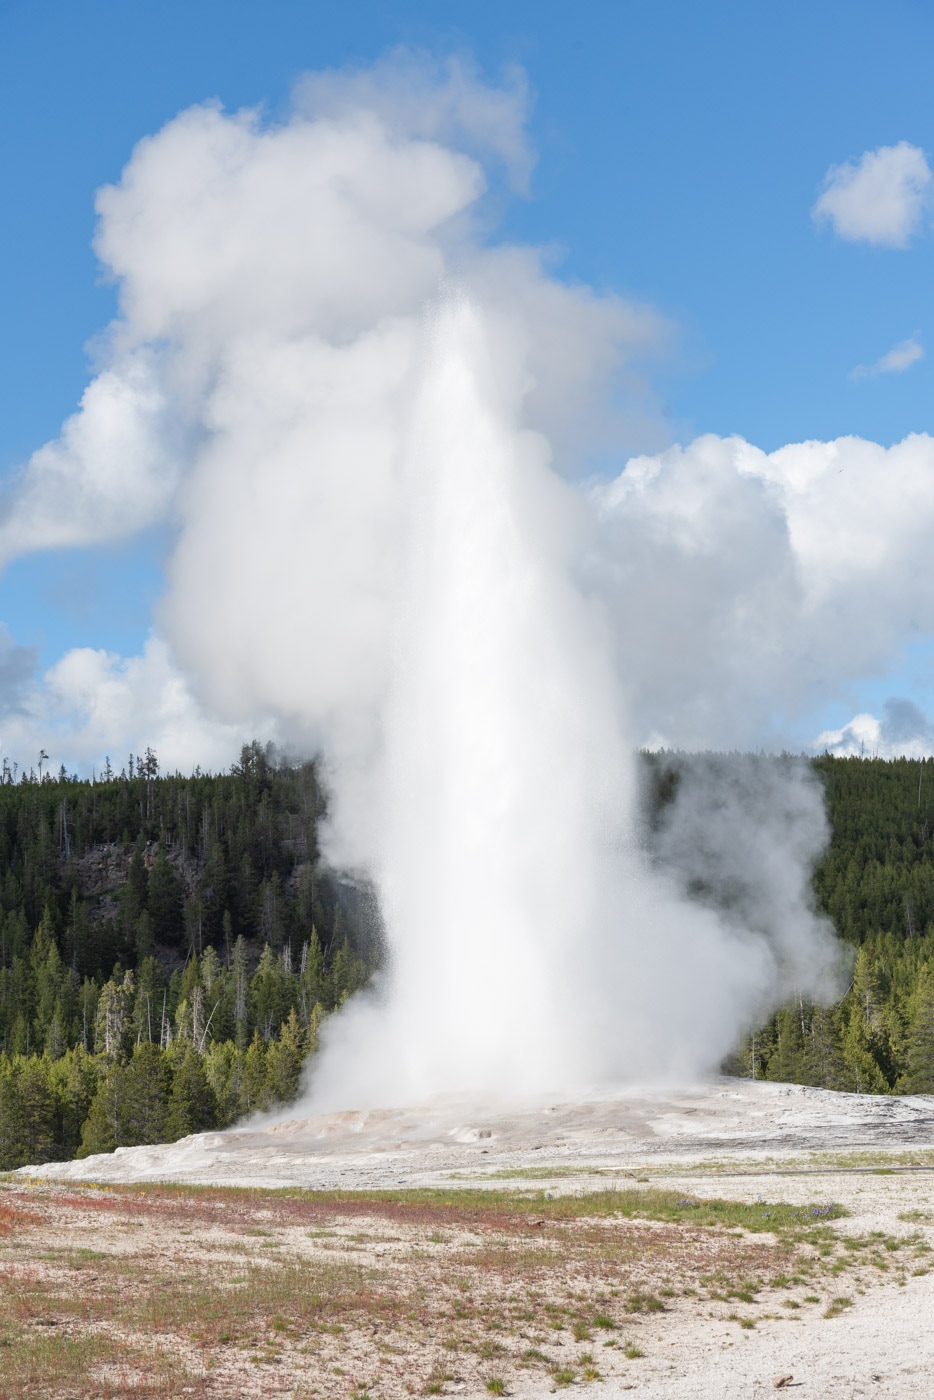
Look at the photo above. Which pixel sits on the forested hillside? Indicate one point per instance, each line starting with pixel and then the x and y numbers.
pixel 169 947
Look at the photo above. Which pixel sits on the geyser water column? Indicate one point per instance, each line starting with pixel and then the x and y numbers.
pixel 528 948
pixel 507 777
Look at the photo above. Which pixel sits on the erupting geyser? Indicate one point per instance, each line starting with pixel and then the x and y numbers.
pixel 371 429
pixel 531 948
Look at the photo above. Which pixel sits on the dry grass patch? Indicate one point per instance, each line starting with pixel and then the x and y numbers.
pixel 166 1290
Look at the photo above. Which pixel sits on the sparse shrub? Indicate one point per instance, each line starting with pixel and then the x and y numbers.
pixel 644 1302
pixel 837 1306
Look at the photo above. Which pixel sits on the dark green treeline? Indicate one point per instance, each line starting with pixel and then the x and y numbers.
pixel 169 947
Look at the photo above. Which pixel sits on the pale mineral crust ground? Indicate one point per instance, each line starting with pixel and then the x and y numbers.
pixel 722 1122
pixel 729 1139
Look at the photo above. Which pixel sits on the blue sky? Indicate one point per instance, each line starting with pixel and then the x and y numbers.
pixel 680 148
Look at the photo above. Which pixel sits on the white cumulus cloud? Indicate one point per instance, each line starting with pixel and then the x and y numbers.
pixel 748 588
pixel 94 703
pixel 879 199
pixel 111 472
pixel 903 731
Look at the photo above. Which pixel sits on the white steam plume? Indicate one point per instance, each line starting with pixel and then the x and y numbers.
pixel 531 947
pixel 742 835
pixel 377 424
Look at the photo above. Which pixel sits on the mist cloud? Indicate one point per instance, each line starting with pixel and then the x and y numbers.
pixel 742 835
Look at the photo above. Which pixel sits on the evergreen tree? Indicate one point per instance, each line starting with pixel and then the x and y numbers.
pixel 32 1086
pixel 13 1142
pixel 825 1065
pixel 313 977
pixel 134 895
pixel 253 1093
pixel 315 1021
pixel 223 1068
pixel 113 1031
pixel 86 1014
pixel 73 1082
pixel 144 939
pixel 239 974
pixel 919 1070
pixel 214 892
pixel 143 1115
pixel 788 1059
pixel 192 1106
pixel 269 912
pixel 147 1005
pixel 284 1060
pixel 348 974
pixel 101 1130
pixel 49 982
pixel 271 993
pixel 54 1044
pixel 193 920
pixel 165 900
pixel 80 948
pixel 861 1066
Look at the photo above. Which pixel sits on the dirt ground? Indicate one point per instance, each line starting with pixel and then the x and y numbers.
pixel 475 1250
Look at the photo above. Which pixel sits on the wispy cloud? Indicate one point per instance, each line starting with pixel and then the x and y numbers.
pixel 901 357
pixel 878 199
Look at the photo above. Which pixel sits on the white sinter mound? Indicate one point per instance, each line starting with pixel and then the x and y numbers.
pixel 726 1119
